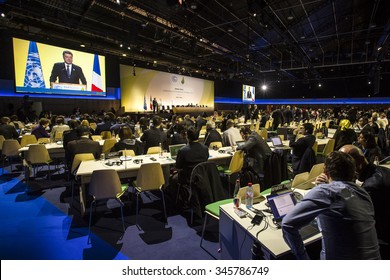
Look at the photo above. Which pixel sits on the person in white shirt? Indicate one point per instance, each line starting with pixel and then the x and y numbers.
pixel 231 135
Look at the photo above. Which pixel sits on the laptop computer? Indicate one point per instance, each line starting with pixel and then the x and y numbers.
pixel 281 205
pixel 277 143
pixel 174 149
pixel 240 143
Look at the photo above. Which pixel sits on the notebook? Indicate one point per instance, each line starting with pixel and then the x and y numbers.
pixel 281 205
pixel 173 149
pixel 277 143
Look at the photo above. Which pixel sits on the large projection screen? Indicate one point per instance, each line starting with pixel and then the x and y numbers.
pixel 34 63
pixel 138 91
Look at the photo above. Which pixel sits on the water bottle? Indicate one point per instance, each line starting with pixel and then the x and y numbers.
pixel 236 188
pixel 161 149
pixel 249 196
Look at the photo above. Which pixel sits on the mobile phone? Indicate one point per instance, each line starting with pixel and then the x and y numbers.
pixel 257 219
pixel 240 213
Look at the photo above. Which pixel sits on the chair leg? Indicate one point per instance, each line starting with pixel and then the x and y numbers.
pixel 178 192
pixel 229 185
pixel 123 219
pixel 203 229
pixel 163 202
pixel 201 239
pixel 72 189
pixel 48 172
pixel 136 211
pixel 90 221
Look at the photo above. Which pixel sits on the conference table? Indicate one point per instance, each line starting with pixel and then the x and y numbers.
pixel 129 168
pixel 237 235
pixel 55 149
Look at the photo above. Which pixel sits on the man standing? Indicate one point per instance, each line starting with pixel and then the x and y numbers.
pixel 344 212
pixel 67 72
pixel 155 104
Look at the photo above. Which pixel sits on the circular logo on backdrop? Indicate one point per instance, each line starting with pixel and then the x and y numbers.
pixel 174 78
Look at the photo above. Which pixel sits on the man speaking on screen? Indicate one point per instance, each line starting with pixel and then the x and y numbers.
pixel 66 71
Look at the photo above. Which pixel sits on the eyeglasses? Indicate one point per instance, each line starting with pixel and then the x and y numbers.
pixel 137 161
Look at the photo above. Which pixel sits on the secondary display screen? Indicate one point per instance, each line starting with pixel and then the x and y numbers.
pixel 248 93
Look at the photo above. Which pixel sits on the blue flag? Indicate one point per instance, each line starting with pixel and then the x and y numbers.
pixel 145 106
pixel 34 75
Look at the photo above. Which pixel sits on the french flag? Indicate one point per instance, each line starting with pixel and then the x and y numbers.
pixel 97 83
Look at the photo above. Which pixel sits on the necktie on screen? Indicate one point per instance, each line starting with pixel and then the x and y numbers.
pixel 68 70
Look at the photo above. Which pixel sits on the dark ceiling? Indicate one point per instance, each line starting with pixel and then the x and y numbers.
pixel 248 40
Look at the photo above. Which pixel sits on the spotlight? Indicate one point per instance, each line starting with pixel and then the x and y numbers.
pixel 2 15
pixel 319 85
pixel 264 87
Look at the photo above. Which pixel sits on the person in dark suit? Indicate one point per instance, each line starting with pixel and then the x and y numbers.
pixel 70 135
pixel 105 125
pixel 278 118
pixel 40 130
pixel 155 104
pixel 127 142
pixel 7 130
pixel 67 72
pixel 299 147
pixel 211 135
pixel 83 145
pixel 190 155
pixel 155 135
pixel 256 151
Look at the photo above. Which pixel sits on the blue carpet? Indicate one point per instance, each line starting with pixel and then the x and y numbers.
pixel 34 229
pixel 38 226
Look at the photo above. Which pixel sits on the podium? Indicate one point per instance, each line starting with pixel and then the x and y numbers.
pixel 66 86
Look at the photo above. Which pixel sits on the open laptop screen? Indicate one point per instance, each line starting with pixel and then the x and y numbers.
pixel 281 204
pixel 174 149
pixel 276 141
pixel 240 143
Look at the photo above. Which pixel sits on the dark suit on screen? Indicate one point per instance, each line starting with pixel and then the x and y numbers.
pixel 59 71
